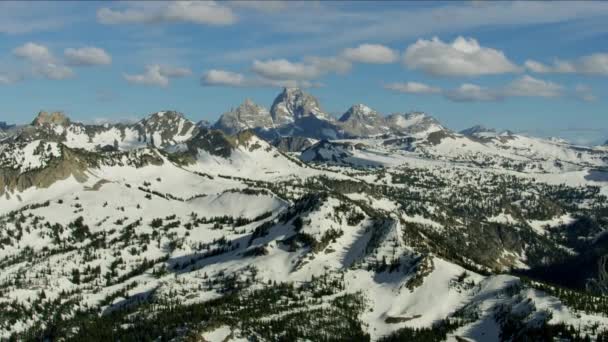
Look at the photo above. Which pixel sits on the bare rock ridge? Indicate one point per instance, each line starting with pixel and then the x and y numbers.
pixel 246 116
pixel 54 118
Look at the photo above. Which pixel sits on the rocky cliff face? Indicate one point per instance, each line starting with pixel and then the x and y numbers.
pixel 165 128
pixel 55 118
pixel 360 120
pixel 292 144
pixel 246 116
pixel 293 104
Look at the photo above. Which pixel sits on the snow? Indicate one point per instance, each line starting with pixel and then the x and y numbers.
pixel 218 335
pixel 541 227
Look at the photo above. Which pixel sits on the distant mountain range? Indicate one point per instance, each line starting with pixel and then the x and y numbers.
pixel 288 224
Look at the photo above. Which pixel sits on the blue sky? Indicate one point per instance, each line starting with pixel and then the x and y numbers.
pixel 536 67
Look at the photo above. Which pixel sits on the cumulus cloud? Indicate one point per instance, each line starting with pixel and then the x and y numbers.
pixel 157 75
pixel 216 77
pixel 195 12
pixel 525 86
pixel 174 72
pixel 463 57
pixel 53 71
pixel 42 62
pixel 33 52
pixel 9 78
pixel 259 5
pixel 584 93
pixel 87 56
pixel 412 88
pixel 530 86
pixel 468 92
pixel 284 69
pixel 226 78
pixel 371 53
pixel 594 64
pixel 311 68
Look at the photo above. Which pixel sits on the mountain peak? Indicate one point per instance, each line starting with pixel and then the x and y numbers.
pixel 476 130
pixel 54 118
pixel 359 111
pixel 413 122
pixel 248 115
pixel 293 104
pixel 164 115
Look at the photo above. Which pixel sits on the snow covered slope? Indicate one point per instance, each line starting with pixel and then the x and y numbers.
pixel 179 231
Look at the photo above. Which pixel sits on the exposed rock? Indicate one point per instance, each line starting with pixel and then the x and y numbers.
pixel 293 104
pixel 246 116
pixel 55 118
pixel 477 129
pixel 360 120
pixel 292 144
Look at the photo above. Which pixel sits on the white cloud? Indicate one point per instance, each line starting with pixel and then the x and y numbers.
pixel 371 53
pixel 216 77
pixel 87 56
pixel 19 17
pixel 157 75
pixel 595 64
pixel 33 52
pixel 259 5
pixel 463 57
pixel 174 72
pixel 412 88
pixel 530 86
pixel 226 78
pixel 53 71
pixel 284 69
pixel 42 62
pixel 468 92
pixel 525 86
pixel 312 68
pixel 329 64
pixel 9 78
pixel 196 12
pixel 584 93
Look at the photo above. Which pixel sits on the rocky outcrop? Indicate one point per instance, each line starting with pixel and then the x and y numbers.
pixel 293 104
pixel 292 144
pixel 57 169
pixel 360 120
pixel 55 118
pixel 246 116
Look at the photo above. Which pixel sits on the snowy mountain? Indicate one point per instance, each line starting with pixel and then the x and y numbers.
pixel 161 129
pixel 360 121
pixel 6 129
pixel 478 130
pixel 293 144
pixel 293 105
pixel 415 123
pixel 167 229
pixel 246 116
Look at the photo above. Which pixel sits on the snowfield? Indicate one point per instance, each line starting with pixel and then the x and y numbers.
pixel 424 229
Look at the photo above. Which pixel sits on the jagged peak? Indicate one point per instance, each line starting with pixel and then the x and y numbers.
pixel 54 118
pixel 292 91
pixel 293 104
pixel 358 110
pixel 166 114
pixel 477 129
pixel 248 104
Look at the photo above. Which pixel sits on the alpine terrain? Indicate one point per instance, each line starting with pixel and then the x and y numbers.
pixel 287 224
